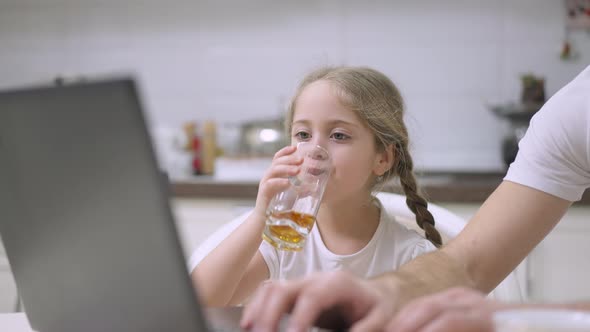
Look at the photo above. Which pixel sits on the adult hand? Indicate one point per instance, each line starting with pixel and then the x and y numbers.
pixel 332 299
pixel 456 310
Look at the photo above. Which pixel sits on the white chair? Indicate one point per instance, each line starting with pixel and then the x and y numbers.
pixel 447 223
pixel 214 239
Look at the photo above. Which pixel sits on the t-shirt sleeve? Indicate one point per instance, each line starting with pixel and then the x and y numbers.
pixel 408 243
pixel 271 258
pixel 421 247
pixel 554 154
pixel 414 246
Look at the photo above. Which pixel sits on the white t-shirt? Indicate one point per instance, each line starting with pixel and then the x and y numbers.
pixel 554 154
pixel 391 246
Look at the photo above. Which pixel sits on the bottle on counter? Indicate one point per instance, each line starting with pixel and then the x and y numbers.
pixel 209 147
pixel 194 147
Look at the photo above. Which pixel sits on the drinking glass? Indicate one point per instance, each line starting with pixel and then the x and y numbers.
pixel 291 214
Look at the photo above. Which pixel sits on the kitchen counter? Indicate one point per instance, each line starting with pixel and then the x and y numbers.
pixel 438 187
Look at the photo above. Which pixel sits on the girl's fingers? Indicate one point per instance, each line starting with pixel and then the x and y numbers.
pixel 284 164
pixel 271 187
pixel 291 159
pixel 287 155
pixel 287 150
pixel 282 171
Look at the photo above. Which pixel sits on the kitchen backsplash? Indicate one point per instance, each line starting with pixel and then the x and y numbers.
pixel 235 61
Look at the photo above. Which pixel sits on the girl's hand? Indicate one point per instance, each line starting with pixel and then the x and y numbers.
pixel 285 163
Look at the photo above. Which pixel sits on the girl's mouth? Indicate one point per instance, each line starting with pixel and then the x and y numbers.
pixel 315 171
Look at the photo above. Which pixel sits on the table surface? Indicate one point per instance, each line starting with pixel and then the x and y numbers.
pixel 14 322
pixel 226 319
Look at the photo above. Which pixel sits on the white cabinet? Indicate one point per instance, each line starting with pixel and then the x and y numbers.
pixel 467 211
pixel 558 269
pixel 198 218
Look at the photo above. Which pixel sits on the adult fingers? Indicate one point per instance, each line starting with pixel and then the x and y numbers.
pixel 314 302
pixel 376 319
pixel 418 313
pixel 461 321
pixel 278 301
pixel 415 315
pixel 333 300
pixel 269 303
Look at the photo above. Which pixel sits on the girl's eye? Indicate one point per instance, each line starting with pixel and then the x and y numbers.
pixel 302 135
pixel 340 136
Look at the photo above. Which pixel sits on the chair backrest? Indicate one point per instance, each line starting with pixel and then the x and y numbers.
pixel 447 223
pixel 213 240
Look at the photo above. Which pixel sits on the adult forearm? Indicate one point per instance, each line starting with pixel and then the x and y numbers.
pixel 511 222
pixel 218 274
pixel 424 275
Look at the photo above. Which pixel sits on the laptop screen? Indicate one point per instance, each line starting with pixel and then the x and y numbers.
pixel 84 213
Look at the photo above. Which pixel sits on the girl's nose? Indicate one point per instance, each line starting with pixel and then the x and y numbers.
pixel 318 141
pixel 319 153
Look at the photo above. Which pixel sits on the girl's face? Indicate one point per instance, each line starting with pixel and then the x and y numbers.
pixel 320 118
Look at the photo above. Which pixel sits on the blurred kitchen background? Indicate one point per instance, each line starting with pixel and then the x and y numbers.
pixel 216 76
pixel 232 62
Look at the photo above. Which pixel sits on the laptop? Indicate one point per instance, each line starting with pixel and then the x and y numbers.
pixel 85 216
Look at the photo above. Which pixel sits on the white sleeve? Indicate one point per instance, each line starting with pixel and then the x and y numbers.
pixel 271 258
pixel 554 155
pixel 421 247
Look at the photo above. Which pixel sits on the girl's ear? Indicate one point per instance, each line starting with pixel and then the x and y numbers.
pixel 384 160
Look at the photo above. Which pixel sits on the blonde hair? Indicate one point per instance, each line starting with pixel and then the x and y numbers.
pixel 377 101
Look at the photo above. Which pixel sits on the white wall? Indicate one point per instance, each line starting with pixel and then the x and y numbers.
pixel 233 60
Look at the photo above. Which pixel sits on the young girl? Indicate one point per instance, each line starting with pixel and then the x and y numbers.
pixel 356 113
